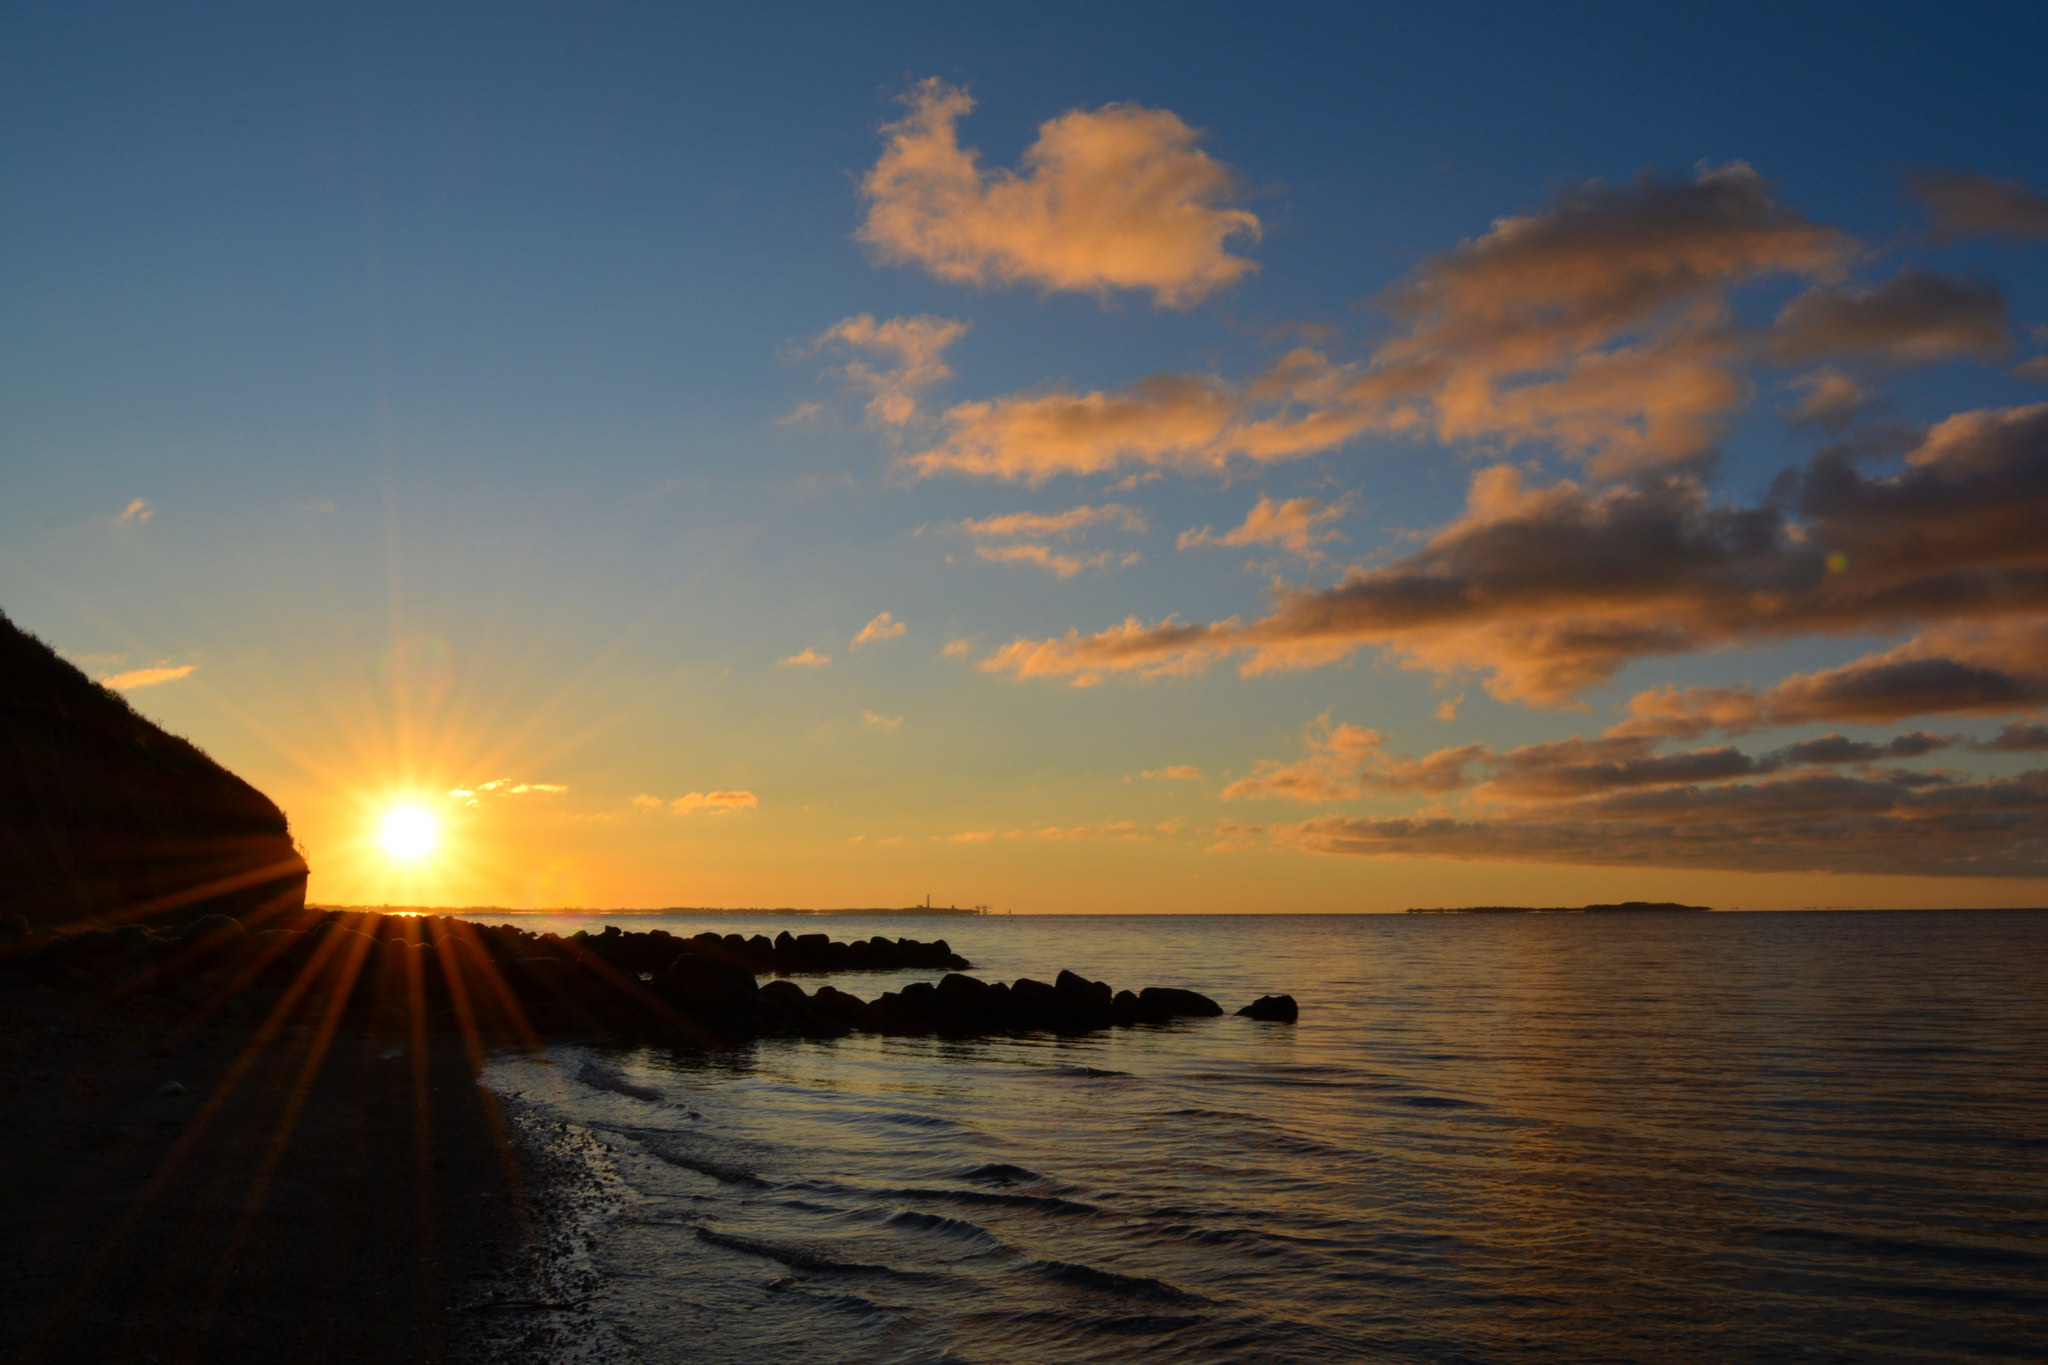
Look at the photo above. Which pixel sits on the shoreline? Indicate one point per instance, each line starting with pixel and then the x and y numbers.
pixel 288 1198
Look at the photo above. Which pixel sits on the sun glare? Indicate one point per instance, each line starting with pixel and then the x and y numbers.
pixel 408 833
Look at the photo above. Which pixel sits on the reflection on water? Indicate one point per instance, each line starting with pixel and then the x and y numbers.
pixel 1503 1138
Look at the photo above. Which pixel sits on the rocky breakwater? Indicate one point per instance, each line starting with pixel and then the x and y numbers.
pixel 505 985
pixel 782 955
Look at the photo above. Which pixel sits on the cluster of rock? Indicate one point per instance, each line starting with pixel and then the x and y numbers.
pixel 965 1005
pixel 784 954
pixel 506 983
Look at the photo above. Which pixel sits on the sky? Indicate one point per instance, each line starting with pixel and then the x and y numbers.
pixel 1057 458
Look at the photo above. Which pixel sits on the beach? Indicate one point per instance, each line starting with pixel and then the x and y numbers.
pixel 369 1207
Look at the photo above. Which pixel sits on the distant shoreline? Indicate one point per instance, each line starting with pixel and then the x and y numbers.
pixel 1620 907
pixel 470 911
pixel 476 912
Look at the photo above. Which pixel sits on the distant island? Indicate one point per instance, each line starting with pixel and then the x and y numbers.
pixel 1622 907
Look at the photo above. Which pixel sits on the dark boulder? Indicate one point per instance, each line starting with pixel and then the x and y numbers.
pixel 707 990
pixel 785 993
pixel 1178 1003
pixel 847 1009
pixel 1275 1009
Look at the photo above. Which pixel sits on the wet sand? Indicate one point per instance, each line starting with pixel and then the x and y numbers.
pixel 291 1202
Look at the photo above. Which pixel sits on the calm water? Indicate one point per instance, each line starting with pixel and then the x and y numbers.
pixel 1560 1138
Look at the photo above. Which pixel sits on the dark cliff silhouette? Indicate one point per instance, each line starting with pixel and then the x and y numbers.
pixel 104 816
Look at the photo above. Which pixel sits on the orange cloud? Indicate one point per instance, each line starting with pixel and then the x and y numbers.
pixel 137 511
pixel 1345 762
pixel 911 351
pixel 957 649
pixel 1115 198
pixel 1295 526
pixel 1549 591
pixel 1884 822
pixel 1024 525
pixel 1599 326
pixel 478 793
pixel 645 802
pixel 1914 318
pixel 807 658
pixel 1968 205
pixel 1616 801
pixel 1188 423
pixel 883 627
pixel 1832 398
pixel 1053 561
pixel 876 721
pixel 1987 669
pixel 716 803
pixel 146 677
pixel 1178 772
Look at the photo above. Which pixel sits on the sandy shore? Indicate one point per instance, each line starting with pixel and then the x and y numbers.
pixel 231 1193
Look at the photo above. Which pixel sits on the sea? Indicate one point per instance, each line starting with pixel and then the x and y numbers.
pixel 1489 1138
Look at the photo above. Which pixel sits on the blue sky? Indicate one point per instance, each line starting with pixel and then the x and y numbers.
pixel 473 337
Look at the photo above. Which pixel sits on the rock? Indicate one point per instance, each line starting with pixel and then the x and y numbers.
pixel 1179 1003
pixel 848 1009
pixel 787 994
pixel 708 991
pixel 1275 1009
pixel 215 931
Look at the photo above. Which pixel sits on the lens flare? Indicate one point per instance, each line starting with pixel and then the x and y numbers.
pixel 408 833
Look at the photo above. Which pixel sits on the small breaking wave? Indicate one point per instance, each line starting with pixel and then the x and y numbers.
pixel 1044 1203
pixel 961 1228
pixel 1111 1282
pixel 604 1078
pixel 723 1172
pixel 999 1173
pixel 796 1258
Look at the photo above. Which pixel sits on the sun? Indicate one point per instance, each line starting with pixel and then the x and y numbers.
pixel 408 833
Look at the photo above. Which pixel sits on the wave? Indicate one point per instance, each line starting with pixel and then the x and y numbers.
pixel 939 1222
pixel 806 1259
pixel 1044 1203
pixel 796 1258
pixel 604 1078
pixel 999 1173
pixel 723 1172
pixel 1914 1251
pixel 1112 1282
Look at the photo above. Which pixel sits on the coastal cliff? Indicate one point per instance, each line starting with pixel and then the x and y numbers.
pixel 105 816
